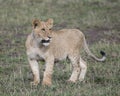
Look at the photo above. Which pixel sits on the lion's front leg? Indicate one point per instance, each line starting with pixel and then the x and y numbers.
pixel 47 78
pixel 76 68
pixel 35 70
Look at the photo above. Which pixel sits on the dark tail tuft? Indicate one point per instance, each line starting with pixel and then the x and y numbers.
pixel 102 53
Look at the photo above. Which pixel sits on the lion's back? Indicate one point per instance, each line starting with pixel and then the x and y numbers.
pixel 70 35
pixel 68 39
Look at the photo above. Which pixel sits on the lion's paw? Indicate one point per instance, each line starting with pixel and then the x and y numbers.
pixel 35 83
pixel 71 81
pixel 47 83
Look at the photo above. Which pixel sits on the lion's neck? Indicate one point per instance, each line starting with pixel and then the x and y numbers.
pixel 35 42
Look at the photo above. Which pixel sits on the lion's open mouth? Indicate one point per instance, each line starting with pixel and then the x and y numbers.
pixel 45 41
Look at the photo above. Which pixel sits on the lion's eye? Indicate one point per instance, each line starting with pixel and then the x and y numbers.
pixel 43 29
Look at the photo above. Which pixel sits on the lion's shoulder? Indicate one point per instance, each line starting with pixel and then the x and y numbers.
pixel 28 40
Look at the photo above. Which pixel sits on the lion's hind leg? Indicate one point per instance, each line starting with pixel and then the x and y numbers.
pixel 83 68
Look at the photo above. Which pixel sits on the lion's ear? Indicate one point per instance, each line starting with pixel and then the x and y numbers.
pixel 35 23
pixel 50 23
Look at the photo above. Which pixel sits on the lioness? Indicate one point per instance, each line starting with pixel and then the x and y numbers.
pixel 48 45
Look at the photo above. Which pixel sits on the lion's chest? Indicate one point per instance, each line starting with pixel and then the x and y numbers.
pixel 58 53
pixel 36 53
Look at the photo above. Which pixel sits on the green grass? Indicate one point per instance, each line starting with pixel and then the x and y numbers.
pixel 98 19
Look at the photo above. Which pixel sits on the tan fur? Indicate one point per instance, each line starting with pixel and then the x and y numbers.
pixel 63 43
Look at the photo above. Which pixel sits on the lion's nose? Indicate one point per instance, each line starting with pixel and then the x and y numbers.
pixel 49 37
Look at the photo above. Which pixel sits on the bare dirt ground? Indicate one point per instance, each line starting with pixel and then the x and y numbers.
pixel 95 35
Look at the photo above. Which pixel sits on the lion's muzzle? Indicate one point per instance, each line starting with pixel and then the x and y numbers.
pixel 46 42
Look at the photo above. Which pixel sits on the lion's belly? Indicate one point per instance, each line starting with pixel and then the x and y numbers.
pixel 60 58
pixel 60 54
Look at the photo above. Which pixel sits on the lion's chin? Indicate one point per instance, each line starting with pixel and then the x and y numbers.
pixel 46 44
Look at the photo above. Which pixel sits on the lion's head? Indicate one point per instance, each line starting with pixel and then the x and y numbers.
pixel 42 31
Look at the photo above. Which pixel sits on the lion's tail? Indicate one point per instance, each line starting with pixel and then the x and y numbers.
pixel 92 55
